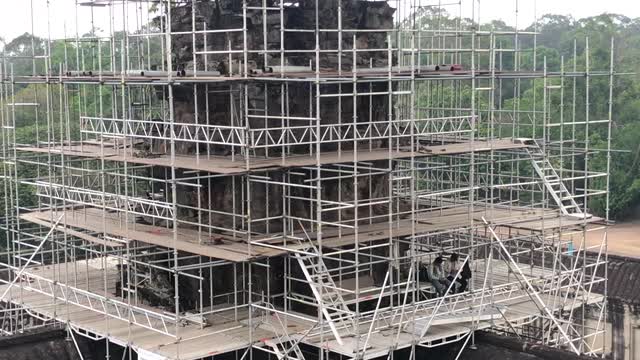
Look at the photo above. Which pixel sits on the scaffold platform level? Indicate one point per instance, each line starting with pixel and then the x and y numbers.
pixel 196 343
pixel 187 239
pixel 228 166
pixel 324 76
pixel 227 330
pixel 233 248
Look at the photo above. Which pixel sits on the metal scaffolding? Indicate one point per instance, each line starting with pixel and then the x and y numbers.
pixel 273 178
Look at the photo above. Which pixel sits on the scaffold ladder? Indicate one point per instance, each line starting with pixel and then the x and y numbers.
pixel 552 182
pixel 279 349
pixel 283 346
pixel 327 294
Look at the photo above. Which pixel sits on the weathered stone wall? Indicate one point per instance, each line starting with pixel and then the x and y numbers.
pixel 226 102
pixel 299 100
pixel 53 343
pixel 228 14
pixel 159 290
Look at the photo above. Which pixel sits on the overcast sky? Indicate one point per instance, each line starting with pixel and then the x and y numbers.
pixel 15 15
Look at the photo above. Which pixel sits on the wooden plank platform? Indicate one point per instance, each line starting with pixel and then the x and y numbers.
pixel 223 334
pixel 226 333
pixel 516 309
pixel 187 240
pixel 236 249
pixel 227 165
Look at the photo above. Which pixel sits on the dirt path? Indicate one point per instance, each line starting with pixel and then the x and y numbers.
pixel 623 239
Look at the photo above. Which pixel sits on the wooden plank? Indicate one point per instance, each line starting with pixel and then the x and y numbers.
pixel 91 219
pixel 31 217
pixel 225 165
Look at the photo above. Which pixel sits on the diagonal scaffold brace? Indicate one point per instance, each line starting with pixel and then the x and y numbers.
pixel 531 291
pixel 24 267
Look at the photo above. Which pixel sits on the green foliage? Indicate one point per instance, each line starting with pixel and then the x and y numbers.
pixel 562 43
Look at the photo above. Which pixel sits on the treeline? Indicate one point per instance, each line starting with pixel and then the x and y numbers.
pixel 561 43
pixel 564 38
pixel 556 39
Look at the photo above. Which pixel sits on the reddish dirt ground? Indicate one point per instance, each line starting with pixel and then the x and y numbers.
pixel 623 239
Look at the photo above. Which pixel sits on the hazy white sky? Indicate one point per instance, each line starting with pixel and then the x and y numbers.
pixel 15 15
